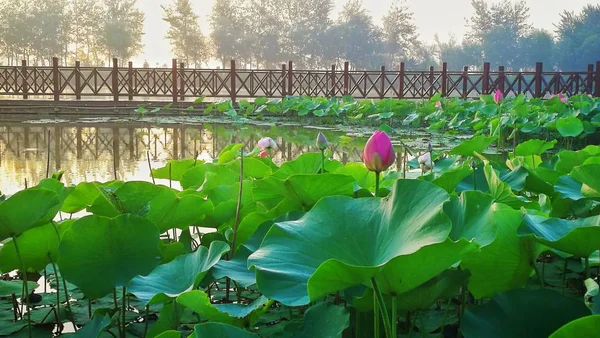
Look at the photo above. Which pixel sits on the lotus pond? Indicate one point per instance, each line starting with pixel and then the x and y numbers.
pixel 249 245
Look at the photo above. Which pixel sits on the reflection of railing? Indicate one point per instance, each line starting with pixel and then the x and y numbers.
pixel 178 83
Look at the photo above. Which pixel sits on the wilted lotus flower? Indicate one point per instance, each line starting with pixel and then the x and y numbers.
pixel 266 145
pixel 498 96
pixel 438 104
pixel 379 154
pixel 321 142
pixel 425 160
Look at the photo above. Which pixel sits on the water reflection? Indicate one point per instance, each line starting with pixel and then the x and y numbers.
pixel 101 151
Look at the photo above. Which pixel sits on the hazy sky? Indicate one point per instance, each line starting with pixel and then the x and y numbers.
pixel 443 17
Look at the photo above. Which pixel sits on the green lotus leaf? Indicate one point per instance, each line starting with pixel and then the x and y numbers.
pixel 570 188
pixel 450 179
pixel 569 126
pixel 37 246
pixel 159 204
pixel 508 253
pixel 178 276
pixel 370 232
pixel 588 175
pixel 95 327
pixel 306 164
pixel 501 191
pixel 220 330
pixel 85 194
pixel 8 288
pixel 236 268
pixel 578 237
pixel 522 313
pixel 583 327
pixel 473 216
pixel 99 253
pixel 304 189
pixel 477 144
pixel 25 210
pixel 534 147
pixel 174 169
pixel 321 320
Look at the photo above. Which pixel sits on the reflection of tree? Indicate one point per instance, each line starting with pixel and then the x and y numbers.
pixel 88 152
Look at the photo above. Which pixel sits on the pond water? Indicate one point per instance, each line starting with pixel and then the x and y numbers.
pixel 97 149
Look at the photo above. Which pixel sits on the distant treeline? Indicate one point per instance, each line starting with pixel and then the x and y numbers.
pixel 265 33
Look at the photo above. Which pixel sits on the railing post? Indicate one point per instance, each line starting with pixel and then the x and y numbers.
pixel 382 83
pixel 431 81
pixel 401 81
pixel 182 81
pixel 290 78
pixel 501 79
pixel 78 80
pixel 174 81
pixel 589 84
pixel 538 80
pixel 485 79
pixel 346 77
pixel 332 81
pixel 115 80
pixel 130 80
pixel 233 82
pixel 465 82
pixel 597 89
pixel 444 79
pixel 24 76
pixel 283 77
pixel 55 79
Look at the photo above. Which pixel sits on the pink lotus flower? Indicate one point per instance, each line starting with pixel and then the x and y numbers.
pixel 562 98
pixel 267 143
pixel 590 96
pixel 438 104
pixel 498 96
pixel 379 154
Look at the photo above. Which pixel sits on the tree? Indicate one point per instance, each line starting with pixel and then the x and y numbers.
pixel 50 30
pixel 184 33
pixel 400 35
pixel 578 38
pixel 227 32
pixel 121 33
pixel 359 41
pixel 537 46
pixel 86 31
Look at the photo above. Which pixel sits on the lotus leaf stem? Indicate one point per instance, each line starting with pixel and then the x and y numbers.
pixel 445 317
pixel 24 272
pixel 146 319
pixel 124 301
pixel 564 275
pixel 47 160
pixel 58 321
pixel 15 306
pixel 90 308
pixel 150 167
pixel 394 316
pixel 587 267
pixel 382 308
pixel 322 161
pixel 422 329
pixel 375 318
pixel 116 304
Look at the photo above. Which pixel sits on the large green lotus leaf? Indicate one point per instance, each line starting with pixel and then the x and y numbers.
pixel 477 144
pixel 217 175
pixel 501 191
pixel 236 268
pixel 220 330
pixel 233 314
pixel 589 176
pixel 306 164
pixel 95 327
pixel 253 243
pixel 534 147
pixel 99 253
pixel 322 320
pixel 174 169
pixel 480 183
pixel 8 288
pixel 36 246
pixel 473 216
pixel 583 327
pixel 578 237
pixel 229 153
pixel 515 178
pixel 511 255
pixel 253 168
pixel 178 276
pixel 522 313
pixel 450 179
pixel 251 222
pixel 369 232
pixel 61 191
pixel 442 286
pixel 193 178
pixel 84 194
pixel 159 204
pixel 570 188
pixel 363 176
pixel 170 334
pixel 567 160
pixel 304 189
pixel 25 210
pixel 225 197
pixel 569 126
pixel 406 272
pixel 169 319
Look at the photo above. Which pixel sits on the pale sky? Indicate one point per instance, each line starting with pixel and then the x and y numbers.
pixel 443 17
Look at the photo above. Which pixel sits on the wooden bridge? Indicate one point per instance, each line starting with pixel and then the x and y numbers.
pixel 107 86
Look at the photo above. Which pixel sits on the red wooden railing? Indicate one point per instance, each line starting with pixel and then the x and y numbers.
pixel 179 83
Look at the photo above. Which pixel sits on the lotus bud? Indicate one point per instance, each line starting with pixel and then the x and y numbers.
pixel 562 98
pixel 498 96
pixel 379 154
pixel 321 142
pixel 438 105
